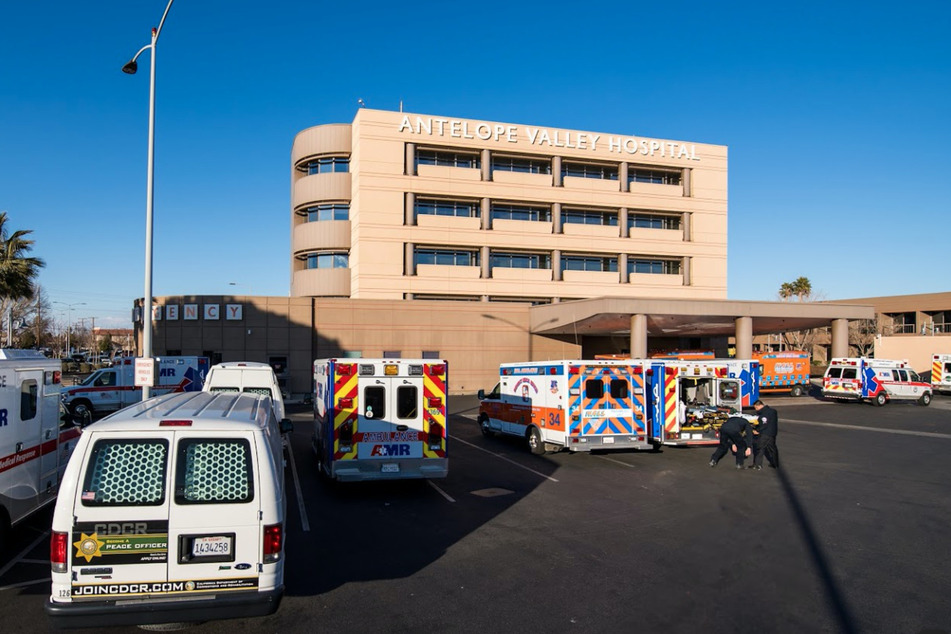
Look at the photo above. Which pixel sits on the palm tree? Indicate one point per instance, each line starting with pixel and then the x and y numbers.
pixel 800 288
pixel 17 270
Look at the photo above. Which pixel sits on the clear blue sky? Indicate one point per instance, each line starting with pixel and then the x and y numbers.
pixel 835 115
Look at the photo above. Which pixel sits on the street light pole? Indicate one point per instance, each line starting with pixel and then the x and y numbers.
pixel 69 321
pixel 130 68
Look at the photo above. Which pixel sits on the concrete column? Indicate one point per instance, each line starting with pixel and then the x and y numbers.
pixel 556 218
pixel 485 211
pixel 556 171
pixel 409 209
pixel 687 270
pixel 486 164
pixel 410 168
pixel 688 226
pixel 409 259
pixel 638 336
pixel 622 221
pixel 622 268
pixel 744 337
pixel 556 265
pixel 484 260
pixel 840 337
pixel 687 180
pixel 622 176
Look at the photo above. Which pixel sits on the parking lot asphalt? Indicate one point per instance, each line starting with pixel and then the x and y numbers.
pixel 850 535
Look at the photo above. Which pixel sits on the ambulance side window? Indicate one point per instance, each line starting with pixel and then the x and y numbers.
pixel 374 401
pixel 593 388
pixel 947 367
pixel 618 388
pixel 407 398
pixel 848 373
pixel 28 391
pixel 126 473
pixel 214 471
pixel 902 375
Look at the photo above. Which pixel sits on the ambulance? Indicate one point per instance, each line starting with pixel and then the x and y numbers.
pixel 875 380
pixel 786 371
pixel 574 405
pixel 111 389
pixel 381 419
pixel 35 438
pixel 690 400
pixel 941 373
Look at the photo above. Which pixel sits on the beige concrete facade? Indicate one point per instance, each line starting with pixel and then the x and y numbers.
pixel 678 221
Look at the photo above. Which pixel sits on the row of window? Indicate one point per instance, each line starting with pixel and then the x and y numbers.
pixel 542 213
pixel 524 260
pixel 601 171
pixel 325 165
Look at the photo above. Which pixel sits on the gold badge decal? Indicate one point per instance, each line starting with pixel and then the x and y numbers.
pixel 88 546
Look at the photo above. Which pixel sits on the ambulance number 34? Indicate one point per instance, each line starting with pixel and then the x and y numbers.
pixel 554 419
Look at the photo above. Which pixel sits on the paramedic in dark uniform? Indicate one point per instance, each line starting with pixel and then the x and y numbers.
pixel 732 434
pixel 765 432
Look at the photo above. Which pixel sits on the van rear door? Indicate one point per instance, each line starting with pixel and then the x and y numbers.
pixel 215 532
pixel 119 546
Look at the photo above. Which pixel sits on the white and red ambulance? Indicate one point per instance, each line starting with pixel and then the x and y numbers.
pixel 875 380
pixel 35 438
pixel 381 419
pixel 570 404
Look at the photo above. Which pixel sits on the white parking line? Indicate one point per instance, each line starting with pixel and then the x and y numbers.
pixel 903 432
pixel 500 457
pixel 616 461
pixel 26 583
pixel 305 524
pixel 441 492
pixel 17 559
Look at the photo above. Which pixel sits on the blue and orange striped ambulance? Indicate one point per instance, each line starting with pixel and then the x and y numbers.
pixel 573 405
pixel 381 419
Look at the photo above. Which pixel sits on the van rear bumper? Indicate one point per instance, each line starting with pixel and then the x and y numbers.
pixel 236 605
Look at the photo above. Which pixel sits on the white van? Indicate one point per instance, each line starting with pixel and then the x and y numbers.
pixel 246 376
pixel 172 510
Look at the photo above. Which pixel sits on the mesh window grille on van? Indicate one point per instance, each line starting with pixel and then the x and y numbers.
pixel 264 391
pixel 212 471
pixel 126 473
pixel 222 388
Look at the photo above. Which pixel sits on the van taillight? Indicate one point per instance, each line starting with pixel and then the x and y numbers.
pixel 435 436
pixel 273 542
pixel 59 548
pixel 345 435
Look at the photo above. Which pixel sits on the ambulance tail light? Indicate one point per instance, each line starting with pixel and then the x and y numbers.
pixel 57 377
pixel 345 403
pixel 345 369
pixel 345 436
pixel 438 369
pixel 434 402
pixel 273 542
pixel 59 549
pixel 574 370
pixel 435 436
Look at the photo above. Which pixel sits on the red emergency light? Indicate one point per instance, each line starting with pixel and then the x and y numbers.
pixel 435 436
pixel 345 402
pixel 435 401
pixel 574 370
pixel 175 423
pixel 438 369
pixel 345 369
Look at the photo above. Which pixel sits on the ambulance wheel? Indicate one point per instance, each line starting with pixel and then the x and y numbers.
pixel 925 399
pixel 81 409
pixel 484 426
pixel 880 399
pixel 796 391
pixel 535 444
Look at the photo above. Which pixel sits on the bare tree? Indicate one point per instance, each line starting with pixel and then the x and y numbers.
pixel 862 333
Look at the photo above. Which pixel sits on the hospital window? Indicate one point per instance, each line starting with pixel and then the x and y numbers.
pixel 448 158
pixel 328 261
pixel 437 207
pixel 326 165
pixel 520 260
pixel 508 211
pixel 590 170
pixel 588 263
pixel 521 164
pixel 589 217
pixel 446 257
pixel 655 267
pixel 653 221
pixel 329 211
pixel 636 174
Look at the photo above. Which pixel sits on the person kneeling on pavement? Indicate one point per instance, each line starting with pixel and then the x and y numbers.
pixel 732 434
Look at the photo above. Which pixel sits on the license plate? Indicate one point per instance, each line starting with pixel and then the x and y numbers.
pixel 609 440
pixel 390 468
pixel 211 546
